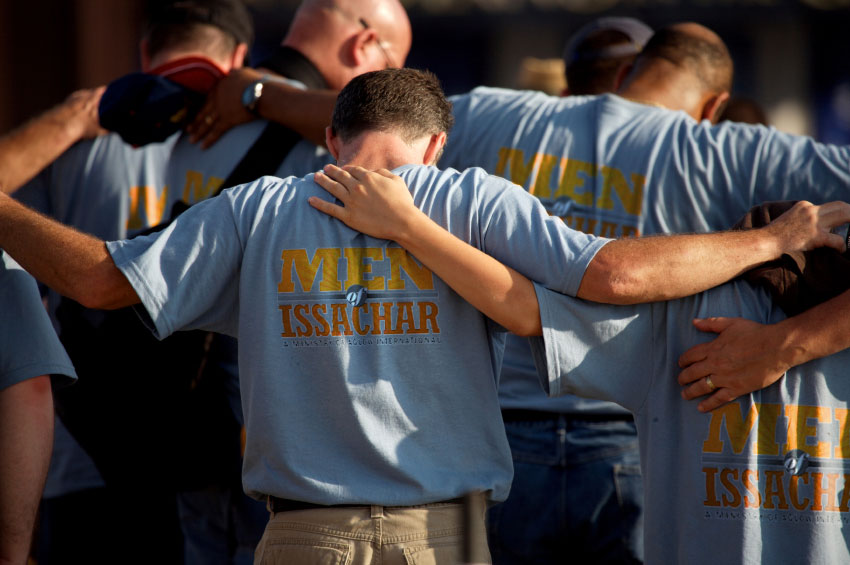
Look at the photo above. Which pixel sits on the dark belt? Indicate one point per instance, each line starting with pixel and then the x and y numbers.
pixel 287 505
pixel 521 415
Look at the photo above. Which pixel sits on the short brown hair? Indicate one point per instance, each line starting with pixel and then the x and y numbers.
pixel 408 102
pixel 594 74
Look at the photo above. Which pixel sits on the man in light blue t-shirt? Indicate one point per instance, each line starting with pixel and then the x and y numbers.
pixel 369 387
pixel 761 479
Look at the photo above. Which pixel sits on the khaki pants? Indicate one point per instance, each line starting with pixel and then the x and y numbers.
pixel 377 535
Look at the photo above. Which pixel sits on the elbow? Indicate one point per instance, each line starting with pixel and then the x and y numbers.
pixel 37 391
pixel 525 315
pixel 625 291
pixel 528 326
pixel 92 297
pixel 609 286
pixel 92 300
pixel 106 291
pixel 525 330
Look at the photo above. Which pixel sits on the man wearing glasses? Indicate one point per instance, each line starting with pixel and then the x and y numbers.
pixel 328 43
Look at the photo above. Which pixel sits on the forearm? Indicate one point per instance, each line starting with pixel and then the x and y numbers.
pixel 26 440
pixel 378 203
pixel 307 112
pixel 631 271
pixel 628 271
pixel 498 291
pixel 817 332
pixel 72 263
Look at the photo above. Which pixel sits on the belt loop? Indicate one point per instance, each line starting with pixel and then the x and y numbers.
pixel 377 511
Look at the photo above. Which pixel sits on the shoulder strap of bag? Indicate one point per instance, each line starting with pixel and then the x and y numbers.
pixel 264 157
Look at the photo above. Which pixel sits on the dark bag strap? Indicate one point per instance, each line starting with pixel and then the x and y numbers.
pixel 276 141
pixel 264 157
pixel 288 62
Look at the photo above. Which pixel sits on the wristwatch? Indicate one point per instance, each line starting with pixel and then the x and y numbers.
pixel 251 95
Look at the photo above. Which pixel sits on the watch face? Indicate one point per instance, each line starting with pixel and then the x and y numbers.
pixel 251 94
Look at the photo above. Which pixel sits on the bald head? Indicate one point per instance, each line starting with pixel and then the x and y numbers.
pixel 346 38
pixel 389 19
pixel 684 66
pixel 695 49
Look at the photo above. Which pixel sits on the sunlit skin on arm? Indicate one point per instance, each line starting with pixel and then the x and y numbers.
pixel 648 269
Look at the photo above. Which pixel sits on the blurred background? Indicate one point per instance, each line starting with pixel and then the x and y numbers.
pixel 791 56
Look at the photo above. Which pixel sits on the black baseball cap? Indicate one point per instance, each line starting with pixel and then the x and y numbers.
pixel 149 107
pixel 145 108
pixel 230 16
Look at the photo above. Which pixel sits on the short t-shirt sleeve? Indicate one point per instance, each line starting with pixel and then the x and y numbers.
pixel 517 230
pixel 594 350
pixel 29 346
pixel 187 276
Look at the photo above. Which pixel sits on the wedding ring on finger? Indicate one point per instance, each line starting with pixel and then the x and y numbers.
pixel 208 119
pixel 710 384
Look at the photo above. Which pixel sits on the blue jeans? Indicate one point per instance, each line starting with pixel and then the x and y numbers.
pixel 577 493
pixel 221 526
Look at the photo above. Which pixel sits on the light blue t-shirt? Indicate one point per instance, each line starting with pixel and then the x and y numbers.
pixel 613 167
pixel 763 479
pixel 103 186
pixel 391 402
pixel 29 346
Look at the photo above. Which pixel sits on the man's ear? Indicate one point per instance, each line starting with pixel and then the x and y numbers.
pixel 144 52
pixel 332 141
pixel 357 46
pixel 435 148
pixel 237 58
pixel 713 107
pixel 622 74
